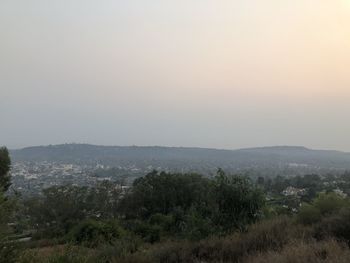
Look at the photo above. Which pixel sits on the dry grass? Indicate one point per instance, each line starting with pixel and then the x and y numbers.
pixel 299 252
pixel 271 235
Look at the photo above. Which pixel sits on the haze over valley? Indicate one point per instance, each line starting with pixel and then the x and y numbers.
pixel 36 168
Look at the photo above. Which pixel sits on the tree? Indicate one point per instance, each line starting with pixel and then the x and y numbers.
pixel 7 250
pixel 164 192
pixel 92 233
pixel 309 214
pixel 238 201
pixel 328 203
pixel 261 181
pixel 5 164
pixel 325 205
pixel 62 207
pixel 196 203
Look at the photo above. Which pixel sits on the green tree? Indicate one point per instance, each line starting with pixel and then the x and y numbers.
pixel 7 249
pixel 163 192
pixel 196 203
pixel 5 164
pixel 325 205
pixel 93 233
pixel 308 214
pixel 238 201
pixel 328 203
pixel 62 207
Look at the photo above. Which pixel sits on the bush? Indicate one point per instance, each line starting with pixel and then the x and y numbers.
pixel 308 214
pixel 326 204
pixel 336 225
pixel 148 232
pixel 329 203
pixel 8 252
pixel 92 233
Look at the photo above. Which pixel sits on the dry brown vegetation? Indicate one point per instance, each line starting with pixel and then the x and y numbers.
pixel 268 236
pixel 329 251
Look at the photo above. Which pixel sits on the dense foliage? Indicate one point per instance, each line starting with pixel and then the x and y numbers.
pixel 194 206
pixel 7 249
pixel 159 205
pixel 5 164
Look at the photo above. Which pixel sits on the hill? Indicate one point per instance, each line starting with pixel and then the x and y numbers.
pixel 279 158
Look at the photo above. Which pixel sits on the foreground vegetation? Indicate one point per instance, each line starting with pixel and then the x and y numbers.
pixel 176 218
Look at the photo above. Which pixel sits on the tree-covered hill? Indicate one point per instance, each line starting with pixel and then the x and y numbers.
pixel 280 157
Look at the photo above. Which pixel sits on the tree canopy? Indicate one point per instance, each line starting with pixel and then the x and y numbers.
pixel 5 164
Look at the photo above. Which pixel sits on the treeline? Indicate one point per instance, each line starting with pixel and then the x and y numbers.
pixel 157 206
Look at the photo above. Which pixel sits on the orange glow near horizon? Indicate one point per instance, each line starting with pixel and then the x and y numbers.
pixel 200 63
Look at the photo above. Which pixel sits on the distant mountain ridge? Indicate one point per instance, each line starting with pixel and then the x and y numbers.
pixel 276 157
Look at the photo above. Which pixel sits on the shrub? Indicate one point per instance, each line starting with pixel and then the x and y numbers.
pixel 148 232
pixel 336 225
pixel 93 233
pixel 326 204
pixel 329 203
pixel 308 214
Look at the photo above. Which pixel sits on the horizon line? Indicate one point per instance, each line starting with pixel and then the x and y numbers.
pixel 181 147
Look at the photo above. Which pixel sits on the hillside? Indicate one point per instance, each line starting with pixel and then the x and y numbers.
pixel 280 157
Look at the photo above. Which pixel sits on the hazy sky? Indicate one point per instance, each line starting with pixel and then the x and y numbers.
pixel 218 73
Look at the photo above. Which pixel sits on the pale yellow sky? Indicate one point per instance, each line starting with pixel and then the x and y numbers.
pixel 224 74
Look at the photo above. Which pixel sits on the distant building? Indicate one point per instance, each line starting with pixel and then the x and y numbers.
pixel 292 191
pixel 340 193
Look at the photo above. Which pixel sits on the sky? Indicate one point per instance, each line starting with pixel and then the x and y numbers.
pixel 206 73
